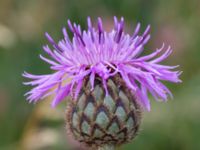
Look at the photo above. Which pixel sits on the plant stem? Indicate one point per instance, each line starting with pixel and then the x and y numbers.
pixel 106 147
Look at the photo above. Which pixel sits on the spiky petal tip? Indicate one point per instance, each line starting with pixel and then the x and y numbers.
pixel 95 52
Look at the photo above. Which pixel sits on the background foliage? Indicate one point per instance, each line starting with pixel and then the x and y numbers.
pixel 173 125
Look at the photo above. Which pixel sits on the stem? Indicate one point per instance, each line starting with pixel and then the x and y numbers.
pixel 106 147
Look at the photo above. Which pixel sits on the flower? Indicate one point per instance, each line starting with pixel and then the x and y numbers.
pixel 95 52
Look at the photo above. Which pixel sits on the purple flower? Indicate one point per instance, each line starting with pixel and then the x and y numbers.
pixel 95 52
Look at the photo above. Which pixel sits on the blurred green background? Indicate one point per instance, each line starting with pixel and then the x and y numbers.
pixel 174 125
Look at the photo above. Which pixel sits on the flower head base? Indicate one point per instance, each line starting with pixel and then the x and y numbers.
pixel 95 52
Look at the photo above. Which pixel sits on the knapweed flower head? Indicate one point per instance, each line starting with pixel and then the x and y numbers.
pixel 95 52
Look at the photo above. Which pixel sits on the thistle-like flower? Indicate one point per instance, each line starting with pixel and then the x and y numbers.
pixel 107 80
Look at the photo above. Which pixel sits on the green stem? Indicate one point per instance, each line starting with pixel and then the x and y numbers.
pixel 106 147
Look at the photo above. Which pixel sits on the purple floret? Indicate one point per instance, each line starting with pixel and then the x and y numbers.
pixel 95 52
